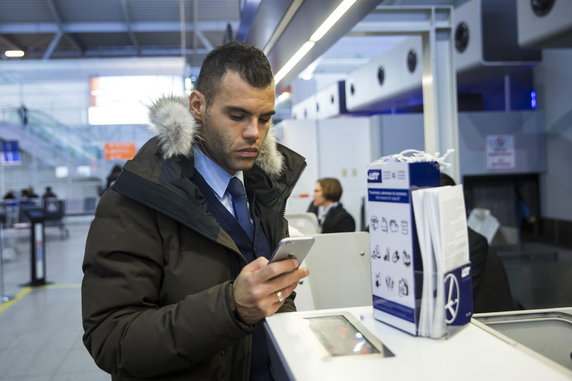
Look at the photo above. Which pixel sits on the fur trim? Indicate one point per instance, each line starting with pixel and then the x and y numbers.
pixel 174 125
pixel 177 131
pixel 270 160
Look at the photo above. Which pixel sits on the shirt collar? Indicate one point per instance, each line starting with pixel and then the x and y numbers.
pixel 215 176
pixel 323 211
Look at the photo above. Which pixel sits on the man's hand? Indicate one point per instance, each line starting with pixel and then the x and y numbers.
pixel 256 287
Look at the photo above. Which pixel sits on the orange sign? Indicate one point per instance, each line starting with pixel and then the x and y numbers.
pixel 119 151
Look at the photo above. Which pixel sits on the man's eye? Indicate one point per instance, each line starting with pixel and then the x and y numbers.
pixel 236 117
pixel 264 120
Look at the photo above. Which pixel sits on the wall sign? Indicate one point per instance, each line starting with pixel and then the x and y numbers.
pixel 119 151
pixel 499 152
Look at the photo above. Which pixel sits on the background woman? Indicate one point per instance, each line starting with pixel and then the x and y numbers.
pixel 332 217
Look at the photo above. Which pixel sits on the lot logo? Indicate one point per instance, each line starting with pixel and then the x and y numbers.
pixel 374 176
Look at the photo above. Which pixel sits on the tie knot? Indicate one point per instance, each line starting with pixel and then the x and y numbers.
pixel 235 188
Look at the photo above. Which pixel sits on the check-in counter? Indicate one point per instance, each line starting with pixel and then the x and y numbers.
pixel 474 353
pixel 545 331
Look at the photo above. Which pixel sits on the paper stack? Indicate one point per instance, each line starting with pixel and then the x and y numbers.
pixel 443 242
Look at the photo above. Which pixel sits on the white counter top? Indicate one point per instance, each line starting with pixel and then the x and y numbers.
pixel 473 353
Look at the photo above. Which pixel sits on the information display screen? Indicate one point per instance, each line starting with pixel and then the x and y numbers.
pixel 340 337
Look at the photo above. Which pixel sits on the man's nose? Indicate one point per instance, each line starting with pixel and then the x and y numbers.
pixel 252 130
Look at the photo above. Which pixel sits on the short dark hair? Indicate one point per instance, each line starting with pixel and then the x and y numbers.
pixel 331 188
pixel 246 60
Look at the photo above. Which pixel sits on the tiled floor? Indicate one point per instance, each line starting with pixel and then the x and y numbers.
pixel 40 329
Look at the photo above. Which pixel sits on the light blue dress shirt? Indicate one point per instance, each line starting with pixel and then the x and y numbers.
pixel 216 177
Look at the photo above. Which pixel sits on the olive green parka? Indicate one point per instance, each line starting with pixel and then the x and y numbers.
pixel 157 299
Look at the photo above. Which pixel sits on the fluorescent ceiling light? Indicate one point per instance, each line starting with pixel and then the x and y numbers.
pixel 331 20
pixel 304 49
pixel 315 37
pixel 283 97
pixel 14 53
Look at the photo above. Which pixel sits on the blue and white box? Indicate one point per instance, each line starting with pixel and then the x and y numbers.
pixel 396 263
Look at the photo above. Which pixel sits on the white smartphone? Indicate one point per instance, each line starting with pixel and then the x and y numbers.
pixel 292 247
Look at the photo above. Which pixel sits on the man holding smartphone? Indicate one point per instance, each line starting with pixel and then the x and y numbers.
pixel 176 273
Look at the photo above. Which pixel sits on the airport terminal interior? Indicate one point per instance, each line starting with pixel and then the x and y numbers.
pixel 364 89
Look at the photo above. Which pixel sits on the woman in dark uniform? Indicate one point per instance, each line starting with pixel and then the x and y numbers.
pixel 332 217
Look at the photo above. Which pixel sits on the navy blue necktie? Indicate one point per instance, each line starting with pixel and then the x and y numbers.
pixel 239 199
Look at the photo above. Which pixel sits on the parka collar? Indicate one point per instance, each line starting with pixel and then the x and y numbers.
pixel 177 130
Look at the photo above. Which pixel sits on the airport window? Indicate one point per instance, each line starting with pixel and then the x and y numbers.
pixel 124 99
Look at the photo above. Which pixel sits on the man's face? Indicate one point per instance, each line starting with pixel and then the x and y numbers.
pixel 236 123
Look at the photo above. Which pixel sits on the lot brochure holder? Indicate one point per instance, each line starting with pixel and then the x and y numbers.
pixel 421 281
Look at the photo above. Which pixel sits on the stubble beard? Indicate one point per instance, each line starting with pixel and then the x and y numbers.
pixel 218 148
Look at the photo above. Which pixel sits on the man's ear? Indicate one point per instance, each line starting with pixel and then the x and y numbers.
pixel 197 104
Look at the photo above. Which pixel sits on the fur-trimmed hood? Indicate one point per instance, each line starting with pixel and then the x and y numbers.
pixel 177 130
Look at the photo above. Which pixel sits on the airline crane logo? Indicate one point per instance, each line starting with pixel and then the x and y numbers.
pixel 452 298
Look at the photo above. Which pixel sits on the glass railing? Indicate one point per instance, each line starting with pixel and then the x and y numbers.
pixel 61 136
